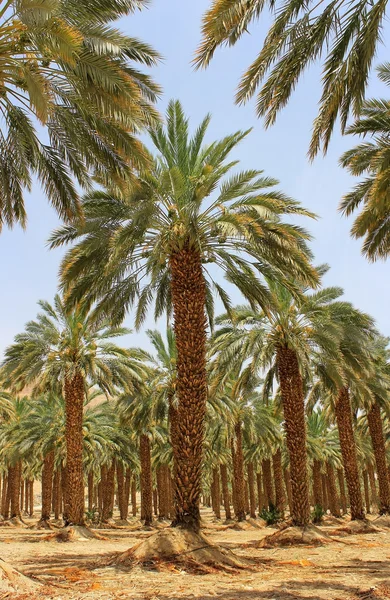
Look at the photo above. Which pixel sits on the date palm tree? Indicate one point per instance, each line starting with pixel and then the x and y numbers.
pixel 184 220
pixel 67 72
pixel 371 158
pixel 283 341
pixel 342 36
pixel 64 350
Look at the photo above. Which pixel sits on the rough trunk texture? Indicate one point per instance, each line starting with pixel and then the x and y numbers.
pixel 26 496
pixel 155 502
pixel 47 485
pixel 15 477
pixel 267 482
pixel 163 492
pixel 225 491
pixel 366 491
pixel 127 493
pixel 134 496
pixel 108 489
pixel 238 474
pixel 348 451
pixel 317 484
pixel 188 300
pixel 90 491
pixel 31 496
pixel 278 481
pixel 371 477
pixel 287 483
pixel 343 496
pixel 120 478
pixel 74 494
pixel 251 487
pixel 332 491
pixel 146 480
pixel 260 496
pixel 4 494
pixel 216 493
pixel 57 494
pixel 295 426
pixel 324 492
pixel 378 443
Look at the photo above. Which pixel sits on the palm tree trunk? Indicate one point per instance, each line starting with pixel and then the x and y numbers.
pixel 225 491
pixel 238 474
pixel 120 478
pixel 317 484
pixel 146 480
pixel 15 478
pixel 47 485
pixel 251 487
pixel 216 493
pixel 21 494
pixel 343 497
pixel 134 496
pixel 57 494
pixel 4 494
pixel 267 481
pixel 26 495
pixel 324 492
pixel 295 426
pixel 332 495
pixel 74 403
pixel 188 292
pixel 278 481
pixel 127 493
pixel 31 496
pixel 366 491
pixel 260 495
pixel 287 483
pixel 378 443
pixel 371 477
pixel 90 490
pixel 348 451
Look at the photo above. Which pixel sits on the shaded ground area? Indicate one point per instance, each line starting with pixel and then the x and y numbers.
pixel 356 567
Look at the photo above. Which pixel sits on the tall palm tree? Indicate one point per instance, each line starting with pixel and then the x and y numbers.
pixel 283 340
pixel 371 158
pixel 64 350
pixel 183 217
pixel 343 36
pixel 64 67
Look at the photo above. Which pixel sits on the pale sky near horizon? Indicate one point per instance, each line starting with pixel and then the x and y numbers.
pixel 28 270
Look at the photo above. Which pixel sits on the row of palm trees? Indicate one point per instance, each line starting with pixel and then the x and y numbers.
pixel 127 443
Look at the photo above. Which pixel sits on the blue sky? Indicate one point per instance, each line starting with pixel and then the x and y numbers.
pixel 28 270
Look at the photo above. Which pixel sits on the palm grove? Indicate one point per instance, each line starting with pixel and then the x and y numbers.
pixel 263 407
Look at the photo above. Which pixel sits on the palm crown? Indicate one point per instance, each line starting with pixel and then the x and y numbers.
pixel 371 158
pixel 235 224
pixel 62 65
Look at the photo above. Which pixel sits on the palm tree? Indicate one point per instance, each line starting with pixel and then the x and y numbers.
pixel 342 36
pixel 64 67
pixel 370 158
pixel 65 349
pixel 183 217
pixel 345 377
pixel 283 340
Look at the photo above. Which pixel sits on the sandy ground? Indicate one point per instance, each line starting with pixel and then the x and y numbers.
pixel 352 567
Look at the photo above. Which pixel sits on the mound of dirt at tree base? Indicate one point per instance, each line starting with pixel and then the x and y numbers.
pixel 295 536
pixel 12 581
pixel 179 546
pixel 356 527
pixel 382 521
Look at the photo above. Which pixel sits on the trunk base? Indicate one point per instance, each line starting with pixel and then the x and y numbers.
pixel 310 535
pixel 44 524
pixel 74 533
pixel 182 547
pixel 356 527
pixel 12 581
